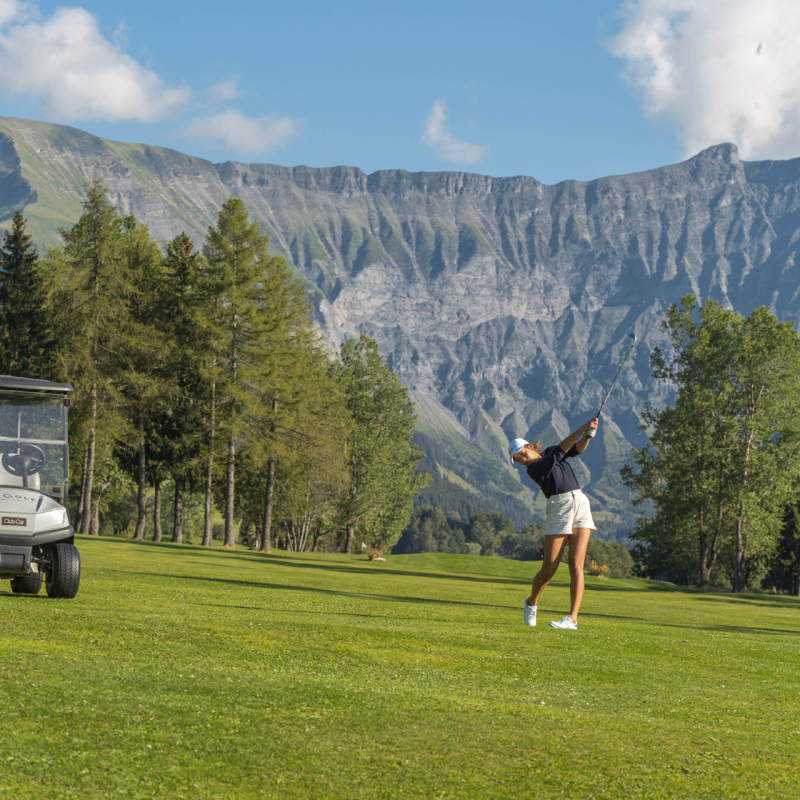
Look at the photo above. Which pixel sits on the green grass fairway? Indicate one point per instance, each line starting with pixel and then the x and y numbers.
pixel 180 672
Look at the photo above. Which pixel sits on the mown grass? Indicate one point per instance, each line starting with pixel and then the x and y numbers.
pixel 181 672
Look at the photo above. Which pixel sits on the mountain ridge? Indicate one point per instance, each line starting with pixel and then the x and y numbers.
pixel 495 300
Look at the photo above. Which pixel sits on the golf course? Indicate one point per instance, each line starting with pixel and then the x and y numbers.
pixel 186 672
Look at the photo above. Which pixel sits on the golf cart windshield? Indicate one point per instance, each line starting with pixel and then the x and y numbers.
pixel 33 441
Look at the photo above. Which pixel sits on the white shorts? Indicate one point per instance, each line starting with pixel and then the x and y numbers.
pixel 567 511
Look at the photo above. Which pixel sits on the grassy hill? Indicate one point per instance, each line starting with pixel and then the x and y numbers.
pixel 181 672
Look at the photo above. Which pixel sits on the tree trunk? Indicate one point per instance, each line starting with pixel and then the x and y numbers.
pixel 230 487
pixel 707 564
pixel 88 517
pixel 82 499
pixel 305 530
pixel 177 529
pixel 267 526
pixel 141 517
pixel 704 571
pixel 351 535
pixel 738 558
pixel 94 521
pixel 289 537
pixel 739 577
pixel 157 532
pixel 94 526
pixel 208 522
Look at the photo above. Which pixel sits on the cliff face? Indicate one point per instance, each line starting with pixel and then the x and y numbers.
pixel 502 303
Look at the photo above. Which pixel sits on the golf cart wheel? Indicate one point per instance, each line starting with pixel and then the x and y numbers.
pixel 27 584
pixel 63 577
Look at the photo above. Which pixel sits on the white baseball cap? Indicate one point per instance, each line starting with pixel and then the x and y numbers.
pixel 514 448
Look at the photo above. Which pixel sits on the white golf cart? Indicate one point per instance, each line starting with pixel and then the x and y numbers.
pixel 36 539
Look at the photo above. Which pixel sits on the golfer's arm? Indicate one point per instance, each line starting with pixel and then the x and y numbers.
pixel 572 439
pixel 582 444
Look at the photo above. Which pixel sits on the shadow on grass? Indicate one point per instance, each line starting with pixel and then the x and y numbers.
pixel 763 600
pixel 314 590
pixel 253 557
pixel 375 570
pixel 695 627
pixel 16 596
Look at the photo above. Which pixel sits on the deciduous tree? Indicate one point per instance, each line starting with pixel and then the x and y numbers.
pixel 381 458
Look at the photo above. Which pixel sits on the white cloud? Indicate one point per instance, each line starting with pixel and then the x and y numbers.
pixel 66 63
pixel 246 135
pixel 718 70
pixel 224 91
pixel 441 140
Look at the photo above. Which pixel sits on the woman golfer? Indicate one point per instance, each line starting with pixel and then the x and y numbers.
pixel 568 516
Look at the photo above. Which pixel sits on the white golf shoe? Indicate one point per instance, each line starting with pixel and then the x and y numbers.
pixel 565 624
pixel 529 615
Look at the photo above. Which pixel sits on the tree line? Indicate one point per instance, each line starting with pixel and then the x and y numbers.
pixel 722 467
pixel 201 373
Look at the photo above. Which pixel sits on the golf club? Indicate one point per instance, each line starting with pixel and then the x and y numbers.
pixel 591 432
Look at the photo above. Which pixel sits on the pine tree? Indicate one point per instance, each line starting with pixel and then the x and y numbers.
pixel 146 350
pixel 92 315
pixel 235 254
pixel 181 437
pixel 27 341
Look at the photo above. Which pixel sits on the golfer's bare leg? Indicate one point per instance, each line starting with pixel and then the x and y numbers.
pixel 578 543
pixel 553 548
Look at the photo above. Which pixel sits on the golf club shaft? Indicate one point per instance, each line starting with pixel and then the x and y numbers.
pixel 615 378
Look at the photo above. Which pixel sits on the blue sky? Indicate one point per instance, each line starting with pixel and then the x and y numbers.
pixel 558 89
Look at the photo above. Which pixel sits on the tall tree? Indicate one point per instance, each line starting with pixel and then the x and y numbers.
pixel 724 460
pixel 236 254
pixel 381 457
pixel 301 403
pixel 147 345
pixel 766 458
pixel 685 470
pixel 27 341
pixel 92 297
pixel 184 427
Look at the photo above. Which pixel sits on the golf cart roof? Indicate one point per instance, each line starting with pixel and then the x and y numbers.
pixel 32 385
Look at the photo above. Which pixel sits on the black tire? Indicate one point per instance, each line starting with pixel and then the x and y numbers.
pixel 27 584
pixel 63 577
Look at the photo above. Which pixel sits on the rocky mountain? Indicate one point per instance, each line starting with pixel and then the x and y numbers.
pixel 502 303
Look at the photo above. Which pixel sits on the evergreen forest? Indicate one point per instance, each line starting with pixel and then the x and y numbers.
pixel 206 405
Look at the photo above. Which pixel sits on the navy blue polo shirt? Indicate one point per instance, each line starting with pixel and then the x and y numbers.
pixel 552 473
